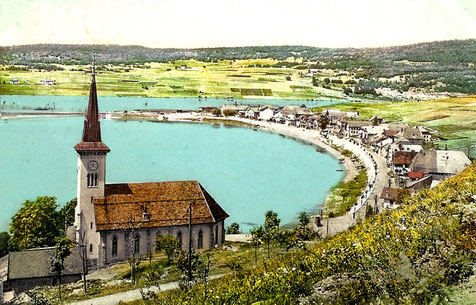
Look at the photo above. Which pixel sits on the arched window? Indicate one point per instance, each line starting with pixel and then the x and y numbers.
pixel 137 243
pixel 114 245
pixel 92 180
pixel 91 248
pixel 200 240
pixel 216 235
pixel 179 237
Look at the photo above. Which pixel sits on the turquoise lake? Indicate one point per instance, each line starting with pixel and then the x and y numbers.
pixel 113 103
pixel 248 172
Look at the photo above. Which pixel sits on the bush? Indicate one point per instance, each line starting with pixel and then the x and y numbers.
pixel 216 112
pixel 234 228
pixel 229 112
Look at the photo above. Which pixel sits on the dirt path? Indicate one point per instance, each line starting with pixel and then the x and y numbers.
pixel 131 295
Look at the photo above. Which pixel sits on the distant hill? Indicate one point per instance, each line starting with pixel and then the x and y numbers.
pixel 442 52
pixel 444 66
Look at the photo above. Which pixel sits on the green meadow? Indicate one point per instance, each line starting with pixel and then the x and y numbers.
pixel 187 78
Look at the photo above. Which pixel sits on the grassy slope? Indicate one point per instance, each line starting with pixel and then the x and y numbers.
pixel 453 118
pixel 210 79
pixel 411 255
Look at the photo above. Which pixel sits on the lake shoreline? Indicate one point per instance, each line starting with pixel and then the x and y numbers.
pixel 309 137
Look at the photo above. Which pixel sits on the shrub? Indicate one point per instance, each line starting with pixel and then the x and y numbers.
pixel 229 112
pixel 234 228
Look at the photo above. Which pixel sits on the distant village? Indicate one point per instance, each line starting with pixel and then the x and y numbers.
pixel 409 151
pixel 45 82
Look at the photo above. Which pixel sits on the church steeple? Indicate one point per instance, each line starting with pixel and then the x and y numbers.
pixel 92 127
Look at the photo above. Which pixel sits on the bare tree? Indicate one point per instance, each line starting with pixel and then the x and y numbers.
pixel 84 259
pixel 133 225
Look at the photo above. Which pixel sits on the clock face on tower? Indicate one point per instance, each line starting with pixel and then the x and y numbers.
pixel 93 165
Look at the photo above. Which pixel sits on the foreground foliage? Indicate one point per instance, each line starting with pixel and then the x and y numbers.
pixel 410 255
pixel 345 195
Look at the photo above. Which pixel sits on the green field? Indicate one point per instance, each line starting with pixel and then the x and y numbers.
pixel 454 119
pixel 237 79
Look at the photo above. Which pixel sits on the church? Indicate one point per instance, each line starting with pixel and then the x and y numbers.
pixel 115 221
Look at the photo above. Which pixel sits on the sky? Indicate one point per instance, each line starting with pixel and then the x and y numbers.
pixel 228 23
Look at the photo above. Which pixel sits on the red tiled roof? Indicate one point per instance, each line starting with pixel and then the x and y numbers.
pixel 91 146
pixel 390 133
pixel 166 204
pixel 416 175
pixel 403 157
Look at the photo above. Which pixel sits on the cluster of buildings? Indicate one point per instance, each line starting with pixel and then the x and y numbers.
pixel 413 166
pixel 45 82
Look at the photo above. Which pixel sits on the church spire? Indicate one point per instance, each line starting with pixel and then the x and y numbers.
pixel 92 126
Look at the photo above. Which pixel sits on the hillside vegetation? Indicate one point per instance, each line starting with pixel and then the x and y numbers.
pixel 412 255
pixel 444 66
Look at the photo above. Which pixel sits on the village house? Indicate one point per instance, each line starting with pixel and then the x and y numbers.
pixel 120 220
pixel 389 196
pixel 252 113
pixel 408 146
pixel 207 109
pixel 47 82
pixel 370 134
pixel 401 162
pixel 266 113
pixel 24 270
pixel 14 81
pixel 354 128
pixel 413 135
pixel 425 133
pixel 291 120
pixel 440 163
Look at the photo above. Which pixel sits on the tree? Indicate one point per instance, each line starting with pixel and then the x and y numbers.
pixel 323 122
pixel 35 224
pixel 62 251
pixel 133 262
pixel 229 112
pixel 84 257
pixel 327 80
pixel 315 81
pixel 347 91
pixel 169 244
pixel 192 267
pixel 4 243
pixel 304 219
pixel 66 214
pixel 216 112
pixel 234 228
pixel 271 226
pixel 257 239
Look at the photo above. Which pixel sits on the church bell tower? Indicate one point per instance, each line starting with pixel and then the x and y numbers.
pixel 91 172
